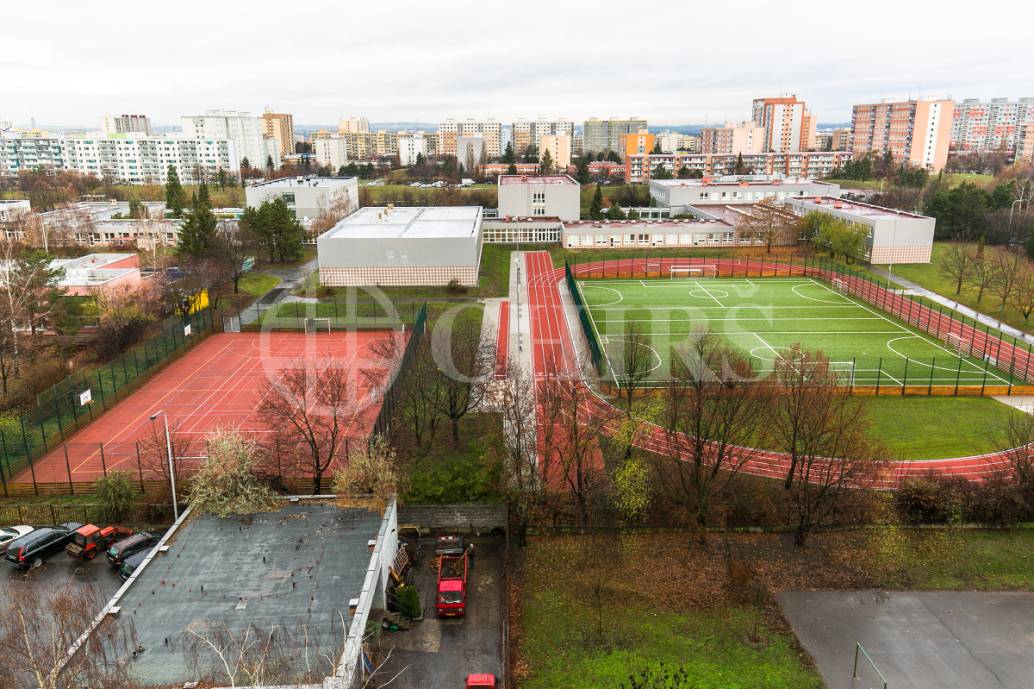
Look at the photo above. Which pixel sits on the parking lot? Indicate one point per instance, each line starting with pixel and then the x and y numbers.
pixel 440 653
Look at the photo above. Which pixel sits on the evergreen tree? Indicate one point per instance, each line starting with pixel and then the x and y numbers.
pixel 508 156
pixel 198 231
pixel 657 147
pixel 174 192
pixel 615 213
pixel 582 174
pixel 511 169
pixel 684 172
pixel 276 229
pixel 546 166
pixel 269 166
pixel 596 207
pixel 740 168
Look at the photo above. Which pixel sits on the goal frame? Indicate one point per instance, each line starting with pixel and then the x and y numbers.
pixel 315 325
pixel 701 271
pixel 838 285
pixel 956 343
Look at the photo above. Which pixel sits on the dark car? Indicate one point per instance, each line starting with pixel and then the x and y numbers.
pixel 36 546
pixel 120 550
pixel 131 562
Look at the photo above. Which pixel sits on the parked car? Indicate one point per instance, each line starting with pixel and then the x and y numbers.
pixel 11 533
pixel 36 546
pixel 131 562
pixel 121 550
pixel 481 680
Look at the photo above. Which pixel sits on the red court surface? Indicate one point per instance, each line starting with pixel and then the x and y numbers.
pixel 502 340
pixel 217 384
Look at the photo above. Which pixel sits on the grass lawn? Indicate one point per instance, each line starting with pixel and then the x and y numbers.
pixel 869 184
pixel 916 428
pixel 256 284
pixel 928 275
pixel 444 473
pixel 560 625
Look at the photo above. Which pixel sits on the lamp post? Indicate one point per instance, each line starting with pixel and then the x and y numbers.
pixel 172 470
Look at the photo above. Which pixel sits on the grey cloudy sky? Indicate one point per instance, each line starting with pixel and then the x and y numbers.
pixel 67 63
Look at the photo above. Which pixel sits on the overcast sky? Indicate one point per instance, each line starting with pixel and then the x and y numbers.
pixel 68 63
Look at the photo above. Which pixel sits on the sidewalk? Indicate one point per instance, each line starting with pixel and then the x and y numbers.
pixel 291 278
pixel 984 319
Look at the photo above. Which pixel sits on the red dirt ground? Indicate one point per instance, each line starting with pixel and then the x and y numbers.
pixel 216 384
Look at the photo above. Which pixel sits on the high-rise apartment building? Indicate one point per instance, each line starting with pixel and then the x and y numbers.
pixel 731 138
pixel 559 147
pixel 245 131
pixel 353 125
pixel 914 132
pixel 530 132
pixel 994 125
pixel 279 126
pixel 676 141
pixel 490 130
pixel 410 145
pixel 605 135
pixel 789 126
pixel 840 140
pixel 127 124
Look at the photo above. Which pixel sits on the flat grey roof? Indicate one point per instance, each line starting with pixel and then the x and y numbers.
pixel 375 222
pixel 537 179
pixel 306 182
pixel 855 208
pixel 726 182
pixel 294 569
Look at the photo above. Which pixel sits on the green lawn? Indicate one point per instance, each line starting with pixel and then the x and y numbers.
pixel 916 428
pixel 956 559
pixel 871 184
pixel 256 284
pixel 563 647
pixel 928 275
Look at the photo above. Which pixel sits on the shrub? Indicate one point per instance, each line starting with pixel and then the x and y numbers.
pixel 116 494
pixel 372 470
pixel 227 482
pixel 932 500
pixel 454 287
pixel 407 598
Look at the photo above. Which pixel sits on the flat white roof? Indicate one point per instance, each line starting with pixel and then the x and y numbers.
pixel 408 222
pixel 736 182
pixel 855 208
pixel 304 182
pixel 537 179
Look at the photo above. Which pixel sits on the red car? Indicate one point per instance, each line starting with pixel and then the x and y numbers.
pixel 482 680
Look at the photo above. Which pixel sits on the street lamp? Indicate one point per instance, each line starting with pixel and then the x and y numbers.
pixel 172 471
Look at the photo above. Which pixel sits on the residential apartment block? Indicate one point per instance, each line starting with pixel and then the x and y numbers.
pixel 676 141
pixel 353 125
pixel 639 168
pixel 410 145
pixel 127 124
pixel 731 138
pixel 789 126
pixel 553 196
pixel 307 197
pixel 559 147
pixel 530 132
pixel 914 132
pixel 605 135
pixel 490 130
pixel 245 131
pixel 979 126
pixel 279 126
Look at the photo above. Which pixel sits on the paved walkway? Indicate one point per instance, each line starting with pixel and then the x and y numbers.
pixel 982 318
pixel 291 277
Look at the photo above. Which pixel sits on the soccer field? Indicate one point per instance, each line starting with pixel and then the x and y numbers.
pixel 764 317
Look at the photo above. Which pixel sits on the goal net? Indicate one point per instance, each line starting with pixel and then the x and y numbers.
pixel 676 272
pixel 957 344
pixel 839 285
pixel 317 325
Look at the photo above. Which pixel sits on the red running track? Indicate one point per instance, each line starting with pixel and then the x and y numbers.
pixel 502 340
pixel 554 352
pixel 217 384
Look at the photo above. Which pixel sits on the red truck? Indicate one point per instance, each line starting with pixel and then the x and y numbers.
pixel 452 577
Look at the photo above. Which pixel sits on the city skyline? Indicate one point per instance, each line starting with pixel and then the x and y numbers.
pixel 88 63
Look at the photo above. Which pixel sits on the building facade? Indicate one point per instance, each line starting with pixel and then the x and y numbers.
pixel 353 125
pixel 307 197
pixel 410 145
pixel 640 168
pixel 279 126
pixel 402 246
pixel 681 195
pixel 733 139
pixel 670 142
pixel 605 135
pixel 981 126
pixel 527 133
pixel 789 126
pixel 915 132
pixel 127 124
pixel 559 147
pixel 245 131
pixel 551 196
pixel 450 130
pixel 892 236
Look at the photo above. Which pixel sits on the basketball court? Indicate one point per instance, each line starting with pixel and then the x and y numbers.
pixel 216 384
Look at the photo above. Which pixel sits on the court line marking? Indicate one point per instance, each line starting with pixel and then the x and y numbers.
pixel 825 301
pixel 708 293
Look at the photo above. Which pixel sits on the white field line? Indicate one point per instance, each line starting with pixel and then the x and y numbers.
pixel 704 289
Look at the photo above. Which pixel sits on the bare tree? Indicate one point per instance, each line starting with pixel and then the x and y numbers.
pixel 465 360
pixel 37 632
pixel 957 263
pixel 341 207
pixel 1022 296
pixel 767 223
pixel 1020 433
pixel 710 416
pixel 824 430
pixel 318 402
pixel 982 274
pixel 634 362
pixel 1008 267
pixel 523 485
pixel 570 450
pixel 233 246
pixel 419 392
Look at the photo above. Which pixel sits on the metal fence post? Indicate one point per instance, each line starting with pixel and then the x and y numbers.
pixel 933 366
pixel 139 467
pixel 104 464
pixel 68 470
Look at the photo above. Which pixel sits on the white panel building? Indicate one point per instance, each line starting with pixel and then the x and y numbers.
pixel 410 145
pixel 306 196
pixel 402 246
pixel 245 131
pixel 553 196
pixel 680 194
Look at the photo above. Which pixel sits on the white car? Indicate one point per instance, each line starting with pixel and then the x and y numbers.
pixel 9 533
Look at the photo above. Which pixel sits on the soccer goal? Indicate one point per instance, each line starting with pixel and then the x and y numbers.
pixel 839 285
pixel 317 325
pixel 844 371
pixel 676 272
pixel 957 344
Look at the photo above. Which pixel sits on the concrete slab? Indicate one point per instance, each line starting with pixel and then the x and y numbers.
pixel 919 640
pixel 292 571
pixel 440 653
pixel 1024 403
